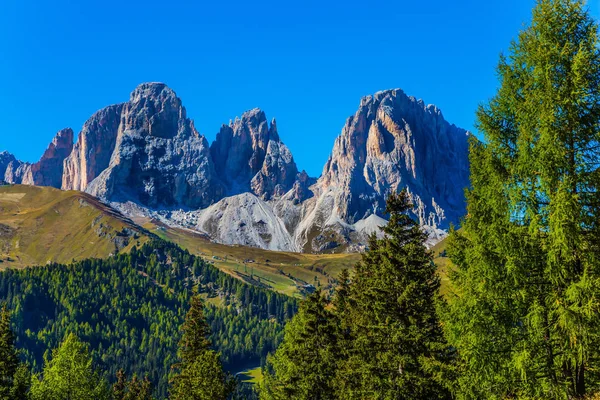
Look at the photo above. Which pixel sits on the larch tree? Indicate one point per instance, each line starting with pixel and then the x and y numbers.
pixel 70 375
pixel 524 310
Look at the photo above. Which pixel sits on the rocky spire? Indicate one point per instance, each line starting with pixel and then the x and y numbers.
pixel 49 170
pixel 249 156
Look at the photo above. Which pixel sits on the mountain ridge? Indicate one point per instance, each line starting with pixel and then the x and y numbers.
pixel 146 156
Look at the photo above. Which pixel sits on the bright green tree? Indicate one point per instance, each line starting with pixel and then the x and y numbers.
pixel 524 314
pixel 304 365
pixel 199 375
pixel 14 376
pixel 397 349
pixel 70 375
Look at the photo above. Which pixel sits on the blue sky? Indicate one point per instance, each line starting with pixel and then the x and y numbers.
pixel 305 63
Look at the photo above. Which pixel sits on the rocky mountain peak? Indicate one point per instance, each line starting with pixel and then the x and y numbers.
pixel 249 156
pixel 154 109
pixel 158 158
pixel 395 141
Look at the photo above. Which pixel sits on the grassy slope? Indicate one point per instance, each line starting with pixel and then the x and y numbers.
pixel 281 271
pixel 40 224
pixel 443 264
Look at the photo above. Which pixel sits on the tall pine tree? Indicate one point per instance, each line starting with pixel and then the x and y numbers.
pixel 304 365
pixel 14 376
pixel 199 375
pixel 396 347
pixel 525 308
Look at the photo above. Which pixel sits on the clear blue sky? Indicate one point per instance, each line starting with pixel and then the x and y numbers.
pixel 307 63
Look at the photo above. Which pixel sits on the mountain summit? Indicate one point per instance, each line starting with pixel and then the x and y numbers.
pixel 145 157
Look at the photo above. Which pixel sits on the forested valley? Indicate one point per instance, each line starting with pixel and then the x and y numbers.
pixel 129 308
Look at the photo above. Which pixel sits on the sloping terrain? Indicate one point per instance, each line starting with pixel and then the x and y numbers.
pixel 41 224
pixel 291 273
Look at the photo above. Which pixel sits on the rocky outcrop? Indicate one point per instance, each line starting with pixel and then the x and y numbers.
pixel 49 170
pixel 393 142
pixel 249 156
pixel 17 171
pixel 159 159
pixel 6 159
pixel 94 148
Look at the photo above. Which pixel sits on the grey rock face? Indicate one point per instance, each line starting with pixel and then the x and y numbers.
pixel 249 156
pixel 393 142
pixel 46 172
pixel 159 159
pixel 16 172
pixel 6 159
pixel 146 156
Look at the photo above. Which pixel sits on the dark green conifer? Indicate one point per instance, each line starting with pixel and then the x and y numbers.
pixel 199 375
pixel 304 365
pixel 396 347
pixel 14 376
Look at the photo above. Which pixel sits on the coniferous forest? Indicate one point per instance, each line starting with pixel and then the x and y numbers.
pixel 519 317
pixel 129 309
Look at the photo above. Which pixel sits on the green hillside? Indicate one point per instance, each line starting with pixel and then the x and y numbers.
pixel 40 225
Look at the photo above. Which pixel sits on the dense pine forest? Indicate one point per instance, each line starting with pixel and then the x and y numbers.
pixel 129 308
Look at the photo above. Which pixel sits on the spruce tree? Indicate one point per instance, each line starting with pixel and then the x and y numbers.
pixel 523 313
pixel 134 389
pixel 304 365
pixel 199 375
pixel 396 347
pixel 14 376
pixel 119 388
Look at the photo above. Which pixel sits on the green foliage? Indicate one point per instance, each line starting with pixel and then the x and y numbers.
pixel 304 365
pixel 129 309
pixel 199 375
pixel 195 331
pixel 394 346
pixel 524 310
pixel 14 376
pixel 70 374
pixel 382 341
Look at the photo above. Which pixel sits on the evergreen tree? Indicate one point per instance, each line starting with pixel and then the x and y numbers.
pixel 120 386
pixel 396 347
pixel 70 375
pixel 199 375
pixel 132 390
pixel 14 376
pixel 524 309
pixel 304 365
